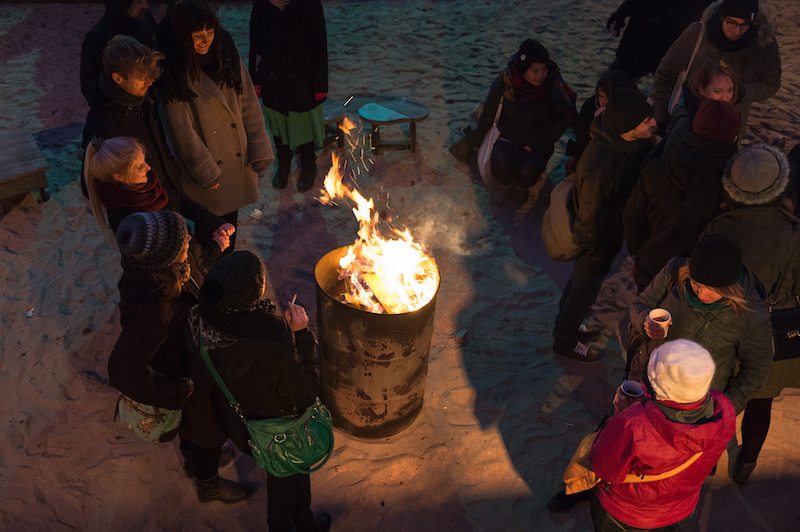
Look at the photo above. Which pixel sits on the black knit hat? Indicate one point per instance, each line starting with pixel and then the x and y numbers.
pixel 757 175
pixel 626 109
pixel 234 282
pixel 151 240
pixel 716 261
pixel 531 51
pixel 744 9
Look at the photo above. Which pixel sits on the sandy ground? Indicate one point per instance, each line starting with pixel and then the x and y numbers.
pixel 501 415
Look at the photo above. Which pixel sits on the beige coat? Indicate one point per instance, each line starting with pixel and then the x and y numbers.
pixel 757 68
pixel 218 136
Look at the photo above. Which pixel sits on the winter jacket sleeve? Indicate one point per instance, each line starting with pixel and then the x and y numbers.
pixel 186 144
pixel 485 121
pixel 320 48
pixel 255 34
pixel 769 76
pixel 143 332
pixel 755 353
pixel 674 61
pixel 651 296
pixel 589 198
pixel 612 451
pixel 259 147
pixel 91 67
pixel 635 223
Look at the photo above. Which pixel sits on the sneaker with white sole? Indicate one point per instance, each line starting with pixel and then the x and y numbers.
pixel 578 351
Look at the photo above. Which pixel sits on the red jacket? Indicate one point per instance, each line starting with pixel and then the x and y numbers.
pixel 642 440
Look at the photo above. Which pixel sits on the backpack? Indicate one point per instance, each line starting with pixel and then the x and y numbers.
pixel 558 221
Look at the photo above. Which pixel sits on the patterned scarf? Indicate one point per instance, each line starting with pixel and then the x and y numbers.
pixel 150 196
pixel 518 90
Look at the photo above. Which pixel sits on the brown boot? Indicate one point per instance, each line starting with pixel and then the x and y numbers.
pixel 220 489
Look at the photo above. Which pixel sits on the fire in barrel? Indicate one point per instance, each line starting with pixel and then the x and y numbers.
pixel 375 307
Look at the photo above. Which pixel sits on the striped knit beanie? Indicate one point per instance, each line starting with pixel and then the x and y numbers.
pixel 151 240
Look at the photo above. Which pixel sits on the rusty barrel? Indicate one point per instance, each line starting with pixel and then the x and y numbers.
pixel 373 365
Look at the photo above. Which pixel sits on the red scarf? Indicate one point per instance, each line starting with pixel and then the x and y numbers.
pixel 149 197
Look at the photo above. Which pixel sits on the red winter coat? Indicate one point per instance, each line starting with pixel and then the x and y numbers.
pixel 642 440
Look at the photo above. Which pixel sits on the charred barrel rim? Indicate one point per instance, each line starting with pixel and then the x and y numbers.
pixel 329 264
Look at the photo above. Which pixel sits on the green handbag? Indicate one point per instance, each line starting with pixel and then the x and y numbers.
pixel 150 423
pixel 284 446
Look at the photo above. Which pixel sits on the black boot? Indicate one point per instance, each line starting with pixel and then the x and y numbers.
pixel 220 489
pixel 561 502
pixel 323 522
pixel 284 156
pixel 308 167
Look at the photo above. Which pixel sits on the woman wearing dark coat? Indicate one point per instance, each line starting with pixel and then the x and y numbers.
pixel 717 302
pixel 758 216
pixel 538 106
pixel 680 192
pixel 267 362
pixel 289 64
pixel 149 362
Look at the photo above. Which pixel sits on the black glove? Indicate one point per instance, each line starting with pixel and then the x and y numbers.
pixel 260 166
pixel 617 20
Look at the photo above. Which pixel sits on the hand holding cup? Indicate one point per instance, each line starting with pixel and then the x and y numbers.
pixel 657 323
pixel 627 394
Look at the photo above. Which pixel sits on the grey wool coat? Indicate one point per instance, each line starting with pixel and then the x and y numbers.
pixel 757 68
pixel 218 136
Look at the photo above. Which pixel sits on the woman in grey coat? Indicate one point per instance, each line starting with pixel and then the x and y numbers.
pixel 758 216
pixel 211 113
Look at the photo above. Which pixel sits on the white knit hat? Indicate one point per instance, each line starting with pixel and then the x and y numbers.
pixel 680 371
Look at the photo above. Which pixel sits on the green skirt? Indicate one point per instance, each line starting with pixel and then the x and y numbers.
pixel 297 128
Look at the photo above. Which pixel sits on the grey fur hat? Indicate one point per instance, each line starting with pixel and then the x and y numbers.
pixel 756 175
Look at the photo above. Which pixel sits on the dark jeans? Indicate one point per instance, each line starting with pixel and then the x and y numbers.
pixel 289 504
pixel 580 294
pixel 603 522
pixel 204 233
pixel 512 164
pixel 755 426
pixel 204 461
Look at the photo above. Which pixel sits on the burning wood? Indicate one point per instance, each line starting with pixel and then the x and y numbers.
pixel 383 275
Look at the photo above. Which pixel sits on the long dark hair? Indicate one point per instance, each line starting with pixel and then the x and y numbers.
pixel 221 63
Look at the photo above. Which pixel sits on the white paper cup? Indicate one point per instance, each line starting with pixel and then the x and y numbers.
pixel 632 389
pixel 661 317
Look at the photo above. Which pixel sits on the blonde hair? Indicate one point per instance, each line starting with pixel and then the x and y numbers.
pixel 103 160
pixel 705 74
pixel 733 295
pixel 127 57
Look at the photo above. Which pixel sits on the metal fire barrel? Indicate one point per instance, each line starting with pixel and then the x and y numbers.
pixel 373 365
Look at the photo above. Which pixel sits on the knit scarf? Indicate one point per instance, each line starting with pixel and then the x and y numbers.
pixel 518 90
pixel 695 303
pixel 716 36
pixel 116 94
pixel 700 414
pixel 149 197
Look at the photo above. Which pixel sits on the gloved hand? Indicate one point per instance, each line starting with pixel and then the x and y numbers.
pixel 319 96
pixel 260 166
pixel 616 23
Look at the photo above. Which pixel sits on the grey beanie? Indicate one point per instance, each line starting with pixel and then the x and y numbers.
pixel 756 175
pixel 234 282
pixel 151 240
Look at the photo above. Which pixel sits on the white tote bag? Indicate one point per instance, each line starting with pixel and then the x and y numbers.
pixel 485 151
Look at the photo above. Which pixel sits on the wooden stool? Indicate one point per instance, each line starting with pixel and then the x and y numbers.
pixel 389 111
pixel 22 166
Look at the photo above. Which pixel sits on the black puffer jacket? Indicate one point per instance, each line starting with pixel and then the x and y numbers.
pixel 289 54
pixel 740 343
pixel 606 173
pixel 269 369
pixel 115 21
pixel 672 202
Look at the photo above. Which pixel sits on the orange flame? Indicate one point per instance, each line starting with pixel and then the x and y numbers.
pixel 391 275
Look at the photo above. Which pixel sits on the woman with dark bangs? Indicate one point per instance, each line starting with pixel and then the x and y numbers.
pixel 211 113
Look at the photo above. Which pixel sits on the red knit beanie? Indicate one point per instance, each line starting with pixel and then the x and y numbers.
pixel 716 121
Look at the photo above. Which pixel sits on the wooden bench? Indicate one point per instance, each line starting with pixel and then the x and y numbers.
pixel 385 111
pixel 22 167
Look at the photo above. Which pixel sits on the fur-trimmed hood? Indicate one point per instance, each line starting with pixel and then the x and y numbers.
pixel 766 22
pixel 758 174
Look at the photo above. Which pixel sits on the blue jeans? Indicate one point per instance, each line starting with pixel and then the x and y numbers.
pixel 511 163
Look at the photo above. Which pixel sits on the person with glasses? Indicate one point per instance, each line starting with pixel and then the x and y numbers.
pixel 740 33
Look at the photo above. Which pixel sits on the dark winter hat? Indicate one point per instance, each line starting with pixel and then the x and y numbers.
pixel 716 261
pixel 531 51
pixel 680 371
pixel 151 240
pixel 626 109
pixel 758 174
pixel 234 282
pixel 743 9
pixel 716 121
